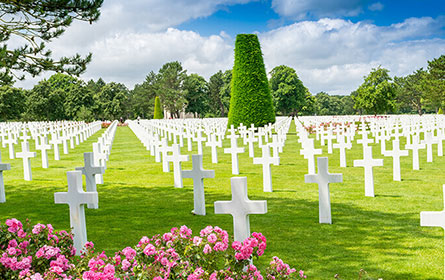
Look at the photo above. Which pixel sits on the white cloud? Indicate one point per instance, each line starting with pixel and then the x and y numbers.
pixel 377 6
pixel 329 55
pixel 309 9
pixel 333 55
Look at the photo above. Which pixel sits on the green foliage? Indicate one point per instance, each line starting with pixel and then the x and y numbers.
pixel 251 101
pixel 170 87
pixel 158 114
pixel 110 101
pixel 141 99
pixel 196 89
pixel 219 93
pixel 288 91
pixel 440 112
pixel 12 103
pixel 37 23
pixel 377 93
pixel 333 104
pixel 309 107
pixel 411 92
pixel 435 83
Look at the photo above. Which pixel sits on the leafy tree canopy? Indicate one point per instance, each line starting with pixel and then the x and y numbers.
pixel 35 23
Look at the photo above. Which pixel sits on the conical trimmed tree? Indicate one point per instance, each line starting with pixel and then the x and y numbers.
pixel 251 101
pixel 158 110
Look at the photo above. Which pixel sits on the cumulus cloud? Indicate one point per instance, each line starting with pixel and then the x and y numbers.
pixel 333 55
pixel 329 55
pixel 315 9
pixel 377 6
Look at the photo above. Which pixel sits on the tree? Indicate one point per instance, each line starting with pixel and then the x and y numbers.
pixel 310 104
pixel 328 105
pixel 288 92
pixel 435 82
pixel 251 101
pixel 12 103
pixel 377 93
pixel 141 99
pixel 215 86
pixel 37 23
pixel 411 92
pixel 196 92
pixel 158 114
pixel 171 79
pixel 111 101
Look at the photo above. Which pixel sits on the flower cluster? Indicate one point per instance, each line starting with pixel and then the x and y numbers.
pixel 38 252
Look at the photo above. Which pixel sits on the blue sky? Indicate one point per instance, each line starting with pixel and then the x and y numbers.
pixel 259 16
pixel 332 44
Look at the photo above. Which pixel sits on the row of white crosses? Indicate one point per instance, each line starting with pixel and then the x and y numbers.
pixel 76 197
pixel 381 131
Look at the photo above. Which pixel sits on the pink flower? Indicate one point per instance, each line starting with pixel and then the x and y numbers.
pixel 21 233
pixel 149 250
pixel 212 238
pixel 38 228
pixel 14 225
pixel 207 249
pixel 129 253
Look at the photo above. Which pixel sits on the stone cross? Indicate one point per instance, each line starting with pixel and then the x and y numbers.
pixel 365 140
pixel 342 145
pixel 429 141
pixel 240 207
pixel 396 153
pixel 323 178
pixel 213 143
pixel 250 139
pixel 90 171
pixel 199 139
pixel 266 160
pixel 308 153
pixel 433 219
pixel 100 159
pixel 275 145
pixel 25 137
pixel 11 141
pixel 44 147
pixel 415 146
pixel 177 158
pixel 165 148
pixel 3 167
pixel 55 141
pixel 368 163
pixel 198 174
pixel 76 198
pixel 330 137
pixel 26 155
pixel 234 150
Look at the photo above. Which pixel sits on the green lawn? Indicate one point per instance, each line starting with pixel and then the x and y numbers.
pixel 381 235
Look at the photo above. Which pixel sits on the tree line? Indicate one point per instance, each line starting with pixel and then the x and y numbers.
pixel 63 97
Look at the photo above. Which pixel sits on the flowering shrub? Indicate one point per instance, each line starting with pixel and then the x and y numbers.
pixel 38 252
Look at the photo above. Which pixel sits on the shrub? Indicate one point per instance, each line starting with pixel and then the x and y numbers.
pixel 440 112
pixel 251 101
pixel 158 114
pixel 40 253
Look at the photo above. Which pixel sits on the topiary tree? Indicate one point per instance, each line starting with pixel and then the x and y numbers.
pixel 158 110
pixel 251 101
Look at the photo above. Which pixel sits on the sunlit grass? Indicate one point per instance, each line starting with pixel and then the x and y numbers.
pixel 381 235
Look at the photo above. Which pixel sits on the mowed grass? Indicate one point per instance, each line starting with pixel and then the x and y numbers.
pixel 381 235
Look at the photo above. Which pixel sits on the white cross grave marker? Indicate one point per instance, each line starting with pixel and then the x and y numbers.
pixel 44 147
pixel 198 174
pixel 323 178
pixel 396 153
pixel 177 158
pixel 368 163
pixel 55 141
pixel 429 141
pixel 3 167
pixel 240 207
pixel 415 146
pixel 99 160
pixel 26 155
pixel 433 219
pixel 308 153
pixel 76 198
pixel 266 160
pixel 90 171
pixel 342 146
pixel 234 150
pixel 213 143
